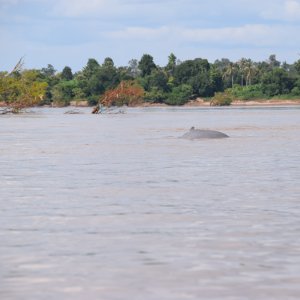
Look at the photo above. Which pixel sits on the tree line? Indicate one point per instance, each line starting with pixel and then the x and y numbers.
pixel 173 84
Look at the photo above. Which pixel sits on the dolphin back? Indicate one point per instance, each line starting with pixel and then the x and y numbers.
pixel 195 134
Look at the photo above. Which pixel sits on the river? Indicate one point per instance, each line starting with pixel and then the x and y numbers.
pixel 117 207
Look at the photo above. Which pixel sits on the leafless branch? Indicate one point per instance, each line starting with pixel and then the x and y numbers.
pixel 18 67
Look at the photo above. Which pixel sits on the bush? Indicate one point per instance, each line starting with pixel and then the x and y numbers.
pixel 296 91
pixel 21 91
pixel 179 95
pixel 155 95
pixel 93 100
pixel 221 99
pixel 248 92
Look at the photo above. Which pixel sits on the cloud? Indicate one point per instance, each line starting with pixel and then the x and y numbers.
pixel 141 33
pixel 288 10
pixel 252 34
pixel 124 29
pixel 292 9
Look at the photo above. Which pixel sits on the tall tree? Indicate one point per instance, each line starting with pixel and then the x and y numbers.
pixel 242 63
pixel 297 66
pixel 146 65
pixel 49 71
pixel 108 63
pixel 91 68
pixel 108 74
pixel 66 73
pixel 230 72
pixel 222 64
pixel 195 73
pixel 133 68
pixel 273 62
pixel 172 60
pixel 277 82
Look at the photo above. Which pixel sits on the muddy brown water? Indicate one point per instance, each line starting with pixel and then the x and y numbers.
pixel 117 207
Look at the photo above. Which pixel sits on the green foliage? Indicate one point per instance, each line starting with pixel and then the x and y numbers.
pixel 124 74
pixel 66 73
pixel 222 99
pixel 173 84
pixel 108 63
pixel 63 92
pixel 49 71
pixel 247 92
pixel 133 68
pixel 296 90
pixel 297 66
pixel 196 73
pixel 95 84
pixel 48 75
pixel 78 93
pixel 216 82
pixel 155 95
pixel 146 65
pixel 276 82
pixel 91 68
pixel 172 60
pixel 157 79
pixel 94 79
pixel 93 100
pixel 273 62
pixel 108 75
pixel 22 91
pixel 179 95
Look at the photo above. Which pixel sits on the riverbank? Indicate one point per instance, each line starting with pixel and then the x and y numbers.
pixel 205 103
pixel 259 102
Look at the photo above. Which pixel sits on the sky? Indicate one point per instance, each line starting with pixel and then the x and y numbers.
pixel 69 32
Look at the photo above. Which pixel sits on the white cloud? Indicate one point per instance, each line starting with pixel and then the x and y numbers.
pixel 292 9
pixel 141 33
pixel 124 29
pixel 255 35
pixel 287 10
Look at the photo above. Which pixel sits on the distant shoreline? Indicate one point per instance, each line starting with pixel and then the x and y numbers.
pixel 204 103
pixel 261 102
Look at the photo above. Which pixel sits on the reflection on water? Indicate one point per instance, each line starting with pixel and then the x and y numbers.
pixel 117 207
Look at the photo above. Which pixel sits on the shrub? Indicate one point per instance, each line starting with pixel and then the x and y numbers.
pixel 155 95
pixel 22 91
pixel 179 95
pixel 221 99
pixel 247 92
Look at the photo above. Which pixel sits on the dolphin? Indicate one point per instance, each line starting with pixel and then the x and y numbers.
pixel 197 134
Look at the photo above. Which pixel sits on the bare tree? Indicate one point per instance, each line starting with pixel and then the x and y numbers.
pixel 18 67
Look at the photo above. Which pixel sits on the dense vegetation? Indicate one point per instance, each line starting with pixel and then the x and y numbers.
pixel 144 80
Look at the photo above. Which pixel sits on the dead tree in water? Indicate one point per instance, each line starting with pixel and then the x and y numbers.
pixel 96 109
pixel 18 67
pixel 127 93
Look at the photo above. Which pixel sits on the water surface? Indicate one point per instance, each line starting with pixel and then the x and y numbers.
pixel 116 207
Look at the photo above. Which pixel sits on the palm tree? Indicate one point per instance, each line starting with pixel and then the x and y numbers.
pixel 250 70
pixel 230 71
pixel 242 67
